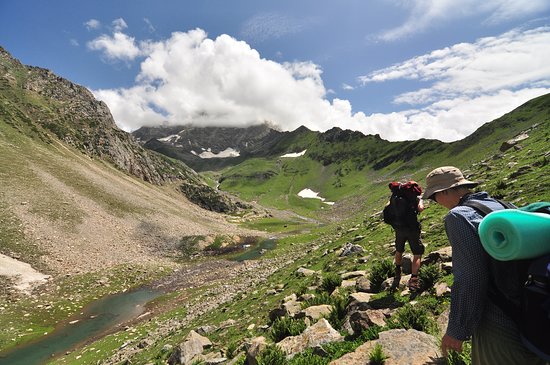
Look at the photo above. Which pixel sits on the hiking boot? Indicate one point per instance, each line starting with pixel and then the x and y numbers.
pixel 414 283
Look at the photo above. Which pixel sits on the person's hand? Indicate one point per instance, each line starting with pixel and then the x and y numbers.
pixel 420 205
pixel 450 343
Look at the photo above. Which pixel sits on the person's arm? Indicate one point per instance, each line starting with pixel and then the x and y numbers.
pixel 471 276
pixel 420 205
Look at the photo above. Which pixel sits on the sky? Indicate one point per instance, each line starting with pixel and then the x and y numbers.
pixel 405 70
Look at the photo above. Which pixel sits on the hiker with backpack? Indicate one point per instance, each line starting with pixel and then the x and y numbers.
pixel 401 213
pixel 474 310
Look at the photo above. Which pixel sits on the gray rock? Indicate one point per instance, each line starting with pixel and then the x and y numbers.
pixel 315 312
pixel 359 301
pixel 305 272
pixel 443 255
pixel 351 249
pixel 353 274
pixel 513 142
pixel 403 347
pixel 406 263
pixel 254 348
pixel 362 284
pixel 441 289
pixel 318 334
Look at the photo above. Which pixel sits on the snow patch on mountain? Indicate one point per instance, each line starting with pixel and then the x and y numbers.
pixel 172 138
pixel 310 194
pixel 207 153
pixel 296 154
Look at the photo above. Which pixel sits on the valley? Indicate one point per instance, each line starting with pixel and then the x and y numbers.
pixel 96 214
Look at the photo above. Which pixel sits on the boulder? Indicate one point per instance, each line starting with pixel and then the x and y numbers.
pixel 351 249
pixel 359 301
pixel 406 263
pixel 392 284
pixel 194 336
pixel 187 352
pixel 357 321
pixel 353 274
pixel 403 347
pixel 315 312
pixel 254 348
pixel 348 283
pixel 290 307
pixel 512 142
pixel 441 289
pixel 305 272
pixel 443 255
pixel 362 284
pixel 318 334
pixel 443 320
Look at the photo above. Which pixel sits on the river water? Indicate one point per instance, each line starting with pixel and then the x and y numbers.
pixel 101 316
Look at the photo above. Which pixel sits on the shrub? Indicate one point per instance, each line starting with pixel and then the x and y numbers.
pixel 371 333
pixel 319 299
pixel 429 275
pixel 380 271
pixel 433 304
pixel 501 184
pixel 330 282
pixel 272 355
pixel 308 358
pixel 231 350
pixel 377 356
pixel 413 317
pixel 284 327
pixel 338 312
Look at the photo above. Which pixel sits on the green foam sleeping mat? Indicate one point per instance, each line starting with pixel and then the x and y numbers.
pixel 515 234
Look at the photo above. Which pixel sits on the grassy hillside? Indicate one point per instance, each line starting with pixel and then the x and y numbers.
pixel 345 165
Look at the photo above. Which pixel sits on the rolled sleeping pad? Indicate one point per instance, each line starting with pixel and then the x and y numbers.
pixel 514 234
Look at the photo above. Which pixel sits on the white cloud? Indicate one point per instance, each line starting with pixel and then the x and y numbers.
pixel 92 24
pixel 74 42
pixel 119 25
pixel 509 61
pixel 430 13
pixel 272 25
pixel 118 46
pixel 190 78
pixel 347 87
pixel 150 26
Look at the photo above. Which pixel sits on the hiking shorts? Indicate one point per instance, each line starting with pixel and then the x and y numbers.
pixel 412 235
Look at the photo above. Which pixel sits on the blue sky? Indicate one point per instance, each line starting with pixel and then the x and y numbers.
pixel 402 69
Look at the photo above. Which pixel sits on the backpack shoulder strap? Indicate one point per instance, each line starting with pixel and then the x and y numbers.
pixel 483 209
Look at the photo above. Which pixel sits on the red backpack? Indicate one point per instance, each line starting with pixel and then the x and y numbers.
pixel 403 206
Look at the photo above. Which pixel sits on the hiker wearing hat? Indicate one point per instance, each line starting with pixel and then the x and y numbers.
pixel 495 337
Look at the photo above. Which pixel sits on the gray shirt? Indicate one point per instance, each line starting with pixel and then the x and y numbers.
pixel 469 301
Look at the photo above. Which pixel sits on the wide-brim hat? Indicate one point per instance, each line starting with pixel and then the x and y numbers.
pixel 444 178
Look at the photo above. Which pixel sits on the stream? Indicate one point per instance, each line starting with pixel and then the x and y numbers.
pixel 97 318
pixel 100 317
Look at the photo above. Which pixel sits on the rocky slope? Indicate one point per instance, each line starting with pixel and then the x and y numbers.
pixel 205 148
pixel 36 97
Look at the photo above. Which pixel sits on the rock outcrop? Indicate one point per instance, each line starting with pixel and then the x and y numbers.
pixel 409 347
